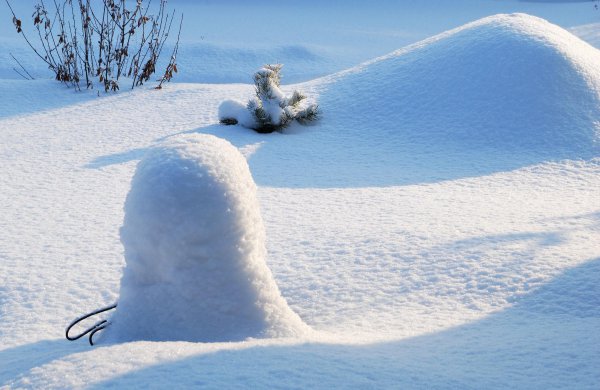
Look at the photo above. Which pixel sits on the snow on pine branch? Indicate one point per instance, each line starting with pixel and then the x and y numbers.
pixel 270 110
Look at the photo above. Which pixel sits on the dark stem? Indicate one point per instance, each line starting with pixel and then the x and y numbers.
pixel 22 67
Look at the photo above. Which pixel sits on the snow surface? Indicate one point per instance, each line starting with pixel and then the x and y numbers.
pixel 195 250
pixel 427 245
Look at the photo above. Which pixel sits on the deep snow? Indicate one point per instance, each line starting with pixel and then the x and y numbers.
pixel 472 263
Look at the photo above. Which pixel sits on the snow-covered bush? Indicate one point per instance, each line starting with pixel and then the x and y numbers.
pixel 195 250
pixel 270 110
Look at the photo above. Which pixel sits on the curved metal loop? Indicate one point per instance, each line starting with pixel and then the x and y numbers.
pixel 98 326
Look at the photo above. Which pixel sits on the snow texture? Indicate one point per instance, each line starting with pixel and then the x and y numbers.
pixel 195 250
pixel 239 111
pixel 448 88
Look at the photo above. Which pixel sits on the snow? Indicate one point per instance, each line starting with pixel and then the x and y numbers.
pixel 238 110
pixel 195 250
pixel 437 228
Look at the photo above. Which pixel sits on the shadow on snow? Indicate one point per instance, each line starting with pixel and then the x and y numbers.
pixel 309 157
pixel 547 339
pixel 19 360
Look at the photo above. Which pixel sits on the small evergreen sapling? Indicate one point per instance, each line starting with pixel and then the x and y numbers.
pixel 270 110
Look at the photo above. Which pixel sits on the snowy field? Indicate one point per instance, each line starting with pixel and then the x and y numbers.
pixel 438 227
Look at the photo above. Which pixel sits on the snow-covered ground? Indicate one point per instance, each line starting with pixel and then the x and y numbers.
pixel 439 227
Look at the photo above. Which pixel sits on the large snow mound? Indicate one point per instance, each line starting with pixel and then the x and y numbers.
pixel 513 81
pixel 497 94
pixel 195 250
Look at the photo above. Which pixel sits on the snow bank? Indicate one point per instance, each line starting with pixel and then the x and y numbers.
pixel 507 81
pixel 195 250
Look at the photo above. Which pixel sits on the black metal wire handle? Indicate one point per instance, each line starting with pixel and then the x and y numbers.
pixel 98 326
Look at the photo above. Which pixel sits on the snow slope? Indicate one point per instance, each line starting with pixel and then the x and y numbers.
pixel 427 245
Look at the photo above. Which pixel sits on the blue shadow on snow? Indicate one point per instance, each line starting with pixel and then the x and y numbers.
pixel 548 339
pixel 18 360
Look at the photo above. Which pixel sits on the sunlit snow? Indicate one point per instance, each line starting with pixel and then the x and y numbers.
pixel 437 227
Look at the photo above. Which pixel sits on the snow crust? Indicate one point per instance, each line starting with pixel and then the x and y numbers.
pixel 195 250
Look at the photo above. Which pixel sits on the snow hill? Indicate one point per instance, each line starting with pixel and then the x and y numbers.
pixel 513 88
pixel 514 82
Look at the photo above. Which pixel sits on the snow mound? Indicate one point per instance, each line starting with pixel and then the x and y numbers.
pixel 507 81
pixel 238 110
pixel 195 250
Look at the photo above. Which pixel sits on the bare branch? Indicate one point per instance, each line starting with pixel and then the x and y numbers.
pixel 78 42
pixel 22 67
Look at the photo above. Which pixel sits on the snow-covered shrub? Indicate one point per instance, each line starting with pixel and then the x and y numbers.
pixel 195 250
pixel 270 110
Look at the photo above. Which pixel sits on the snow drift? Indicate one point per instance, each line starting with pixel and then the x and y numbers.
pixel 497 94
pixel 508 81
pixel 195 250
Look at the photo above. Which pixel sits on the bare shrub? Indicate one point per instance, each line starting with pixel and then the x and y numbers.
pixel 119 39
